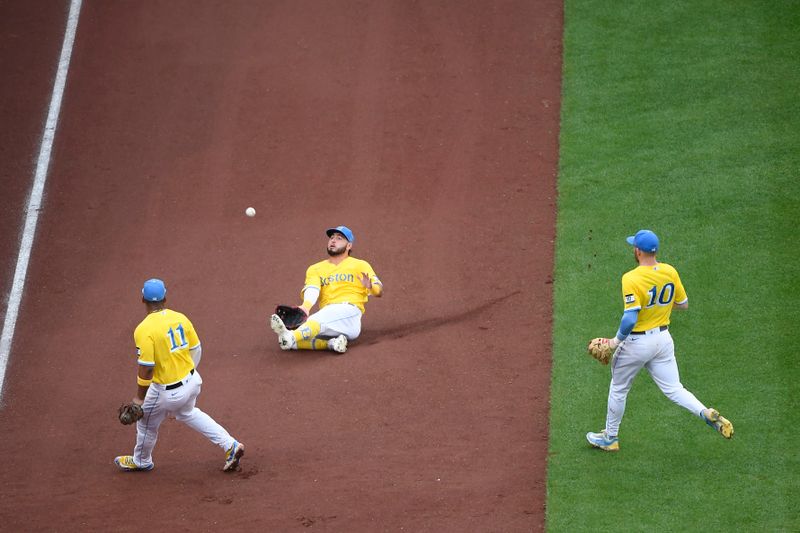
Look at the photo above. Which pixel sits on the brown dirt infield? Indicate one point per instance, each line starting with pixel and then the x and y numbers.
pixel 430 128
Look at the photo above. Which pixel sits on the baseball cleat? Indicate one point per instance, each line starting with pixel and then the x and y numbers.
pixel 338 344
pixel 286 340
pixel 720 424
pixel 126 463
pixel 285 337
pixel 277 325
pixel 232 456
pixel 603 441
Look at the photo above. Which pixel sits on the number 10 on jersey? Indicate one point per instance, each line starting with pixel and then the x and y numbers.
pixel 664 297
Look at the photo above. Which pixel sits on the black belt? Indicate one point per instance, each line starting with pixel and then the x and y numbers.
pixel 178 384
pixel 660 328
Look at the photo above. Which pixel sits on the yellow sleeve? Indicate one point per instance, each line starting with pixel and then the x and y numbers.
pixel 680 292
pixel 372 276
pixel 312 280
pixel 630 299
pixel 145 347
pixel 191 335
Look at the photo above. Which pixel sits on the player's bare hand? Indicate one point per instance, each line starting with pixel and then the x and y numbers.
pixel 365 281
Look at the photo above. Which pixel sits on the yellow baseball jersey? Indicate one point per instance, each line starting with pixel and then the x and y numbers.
pixel 652 290
pixel 340 283
pixel 163 340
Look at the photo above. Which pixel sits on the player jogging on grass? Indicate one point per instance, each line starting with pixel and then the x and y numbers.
pixel 650 292
pixel 342 285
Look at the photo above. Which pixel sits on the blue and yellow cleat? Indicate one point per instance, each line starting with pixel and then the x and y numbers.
pixel 603 441
pixel 720 424
pixel 126 463
pixel 232 456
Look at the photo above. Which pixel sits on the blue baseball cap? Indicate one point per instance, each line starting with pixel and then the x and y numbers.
pixel 645 240
pixel 154 290
pixel 344 230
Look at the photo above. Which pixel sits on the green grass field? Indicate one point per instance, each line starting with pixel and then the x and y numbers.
pixel 684 118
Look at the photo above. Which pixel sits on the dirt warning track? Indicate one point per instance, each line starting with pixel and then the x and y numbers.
pixel 430 129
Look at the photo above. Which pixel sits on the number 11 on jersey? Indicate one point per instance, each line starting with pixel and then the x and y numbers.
pixel 173 341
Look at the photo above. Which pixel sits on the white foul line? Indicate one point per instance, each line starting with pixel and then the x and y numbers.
pixel 35 201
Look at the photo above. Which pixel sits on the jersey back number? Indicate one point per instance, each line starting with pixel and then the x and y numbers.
pixel 662 297
pixel 177 341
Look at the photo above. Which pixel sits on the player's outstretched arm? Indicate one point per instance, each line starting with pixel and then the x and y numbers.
pixel 375 289
pixel 310 297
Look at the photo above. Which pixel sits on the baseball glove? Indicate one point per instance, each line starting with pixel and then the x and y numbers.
pixel 130 413
pixel 292 316
pixel 601 350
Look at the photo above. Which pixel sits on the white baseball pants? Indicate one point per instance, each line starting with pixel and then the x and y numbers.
pixel 655 351
pixel 338 319
pixel 160 402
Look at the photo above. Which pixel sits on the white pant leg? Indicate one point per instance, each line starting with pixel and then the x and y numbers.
pixel 338 319
pixel 155 410
pixel 631 356
pixel 197 419
pixel 664 370
pixel 159 402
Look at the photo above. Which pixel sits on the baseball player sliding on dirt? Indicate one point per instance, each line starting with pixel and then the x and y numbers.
pixel 342 285
pixel 650 292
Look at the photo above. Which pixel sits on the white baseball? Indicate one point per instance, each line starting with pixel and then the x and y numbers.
pixel 250 212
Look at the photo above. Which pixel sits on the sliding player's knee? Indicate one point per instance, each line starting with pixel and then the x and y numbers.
pixel 307 331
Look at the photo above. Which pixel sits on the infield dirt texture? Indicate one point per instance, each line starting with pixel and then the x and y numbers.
pixel 430 128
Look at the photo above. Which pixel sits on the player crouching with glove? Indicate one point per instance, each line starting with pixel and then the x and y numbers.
pixel 342 285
